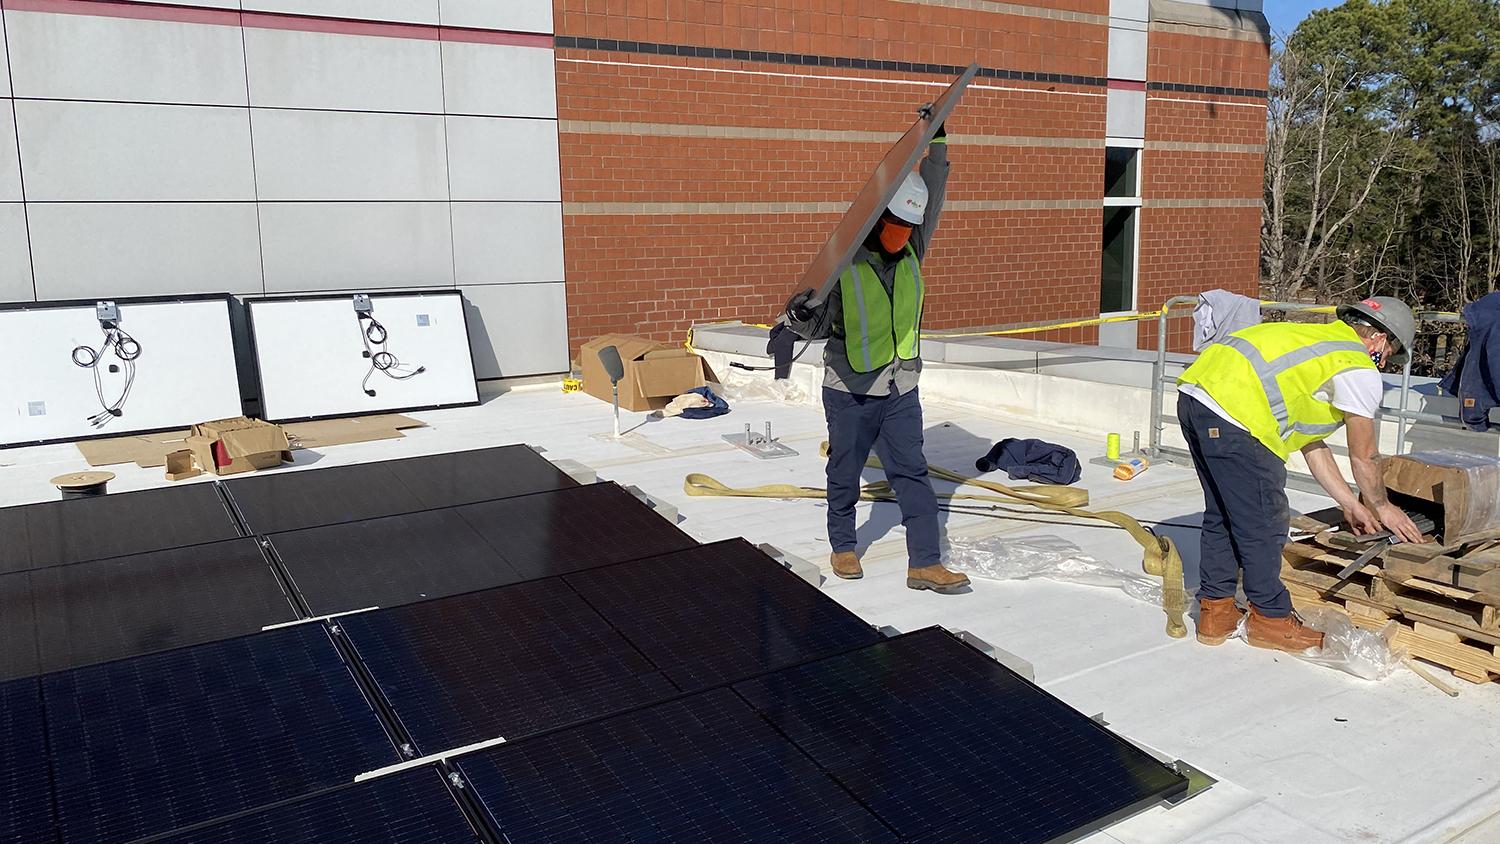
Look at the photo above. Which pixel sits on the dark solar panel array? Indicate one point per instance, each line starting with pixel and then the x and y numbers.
pixel 399 559
pixel 151 744
pixel 282 501
pixel 57 532
pixel 93 612
pixel 901 723
pixel 503 662
pixel 705 768
pixel 720 612
pixel 408 808
pixel 25 783
pixel 650 688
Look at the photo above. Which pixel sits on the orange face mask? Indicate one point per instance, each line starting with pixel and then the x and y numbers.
pixel 893 236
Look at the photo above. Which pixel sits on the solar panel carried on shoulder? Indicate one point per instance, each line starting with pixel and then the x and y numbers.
pixel 348 354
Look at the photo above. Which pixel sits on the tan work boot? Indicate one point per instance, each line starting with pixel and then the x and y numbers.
pixel 846 565
pixel 936 578
pixel 1217 619
pixel 1280 634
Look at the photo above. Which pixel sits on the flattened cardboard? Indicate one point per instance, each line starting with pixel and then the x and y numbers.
pixel 321 433
pixel 655 372
pixel 145 450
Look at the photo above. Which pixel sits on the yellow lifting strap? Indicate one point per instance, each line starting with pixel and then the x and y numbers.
pixel 1161 556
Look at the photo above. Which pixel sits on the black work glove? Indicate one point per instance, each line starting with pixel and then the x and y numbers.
pixel 942 132
pixel 798 309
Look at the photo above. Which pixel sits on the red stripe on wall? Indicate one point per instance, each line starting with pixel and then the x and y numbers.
pixel 269 20
pixel 137 11
pixel 1126 85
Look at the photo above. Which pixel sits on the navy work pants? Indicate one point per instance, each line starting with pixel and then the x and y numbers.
pixel 1245 515
pixel 892 425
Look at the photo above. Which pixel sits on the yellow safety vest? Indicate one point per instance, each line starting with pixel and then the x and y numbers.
pixel 877 330
pixel 1265 376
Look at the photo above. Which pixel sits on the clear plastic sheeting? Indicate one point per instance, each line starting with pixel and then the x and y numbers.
pixel 1483 476
pixel 736 386
pixel 1050 557
pixel 1367 654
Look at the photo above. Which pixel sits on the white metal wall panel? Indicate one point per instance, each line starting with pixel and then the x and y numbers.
pixel 127 151
pixel 344 72
pixel 92 249
pixel 322 155
pixel 185 372
pixel 89 57
pixel 10 157
pixel 15 255
pixel 1135 10
pixel 310 355
pixel 473 74
pixel 399 11
pixel 505 242
pixel 511 15
pixel 504 159
pixel 355 245
pixel 1125 114
pixel 1127 50
pixel 4 61
pixel 518 329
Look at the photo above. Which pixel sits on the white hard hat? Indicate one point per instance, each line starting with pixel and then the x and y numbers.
pixel 910 200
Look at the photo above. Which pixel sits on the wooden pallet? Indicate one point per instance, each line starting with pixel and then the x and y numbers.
pixel 1449 625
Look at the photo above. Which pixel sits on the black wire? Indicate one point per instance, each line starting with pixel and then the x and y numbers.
pixel 989 512
pixel 383 361
pixel 795 358
pixel 127 350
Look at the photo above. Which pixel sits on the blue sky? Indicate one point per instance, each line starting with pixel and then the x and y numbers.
pixel 1284 15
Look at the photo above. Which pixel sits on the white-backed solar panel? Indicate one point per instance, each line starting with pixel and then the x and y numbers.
pixel 179 371
pixel 317 357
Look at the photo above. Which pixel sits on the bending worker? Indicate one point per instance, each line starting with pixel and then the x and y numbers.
pixel 871 364
pixel 1245 406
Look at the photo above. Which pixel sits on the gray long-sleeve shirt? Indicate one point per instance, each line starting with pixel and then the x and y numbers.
pixel 899 376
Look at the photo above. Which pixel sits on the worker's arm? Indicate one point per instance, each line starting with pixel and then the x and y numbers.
pixel 1364 457
pixel 1320 462
pixel 934 171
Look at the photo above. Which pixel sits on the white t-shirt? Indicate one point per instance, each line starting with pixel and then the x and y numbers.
pixel 1357 391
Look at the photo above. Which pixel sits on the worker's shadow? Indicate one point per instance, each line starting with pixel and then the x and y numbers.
pixel 944 444
pixel 1184 532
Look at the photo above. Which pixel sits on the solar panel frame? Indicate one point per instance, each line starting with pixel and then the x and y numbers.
pixel 121 607
pixel 702 768
pixel 720 612
pixel 900 722
pixel 80 529
pixel 502 662
pixel 276 502
pixel 151 744
pixel 389 561
pixel 413 807
pixel 567 530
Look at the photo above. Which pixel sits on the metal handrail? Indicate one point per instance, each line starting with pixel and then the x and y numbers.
pixel 1154 446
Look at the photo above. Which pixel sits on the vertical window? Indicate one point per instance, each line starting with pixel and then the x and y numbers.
pixel 1122 211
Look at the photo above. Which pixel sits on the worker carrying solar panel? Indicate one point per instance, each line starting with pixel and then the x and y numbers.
pixel 1245 406
pixel 872 362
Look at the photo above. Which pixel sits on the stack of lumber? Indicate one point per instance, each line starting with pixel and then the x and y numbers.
pixel 1444 596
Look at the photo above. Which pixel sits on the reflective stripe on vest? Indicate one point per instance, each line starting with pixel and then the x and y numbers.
pixel 1276 358
pixel 877 330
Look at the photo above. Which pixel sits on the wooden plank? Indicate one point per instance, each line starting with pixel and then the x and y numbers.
pixel 1437 634
pixel 1455 657
pixel 1348 591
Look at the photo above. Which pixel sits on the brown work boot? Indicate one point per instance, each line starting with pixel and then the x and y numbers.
pixel 936 578
pixel 846 565
pixel 1217 619
pixel 1281 634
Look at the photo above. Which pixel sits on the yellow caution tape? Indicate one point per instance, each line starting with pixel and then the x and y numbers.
pixel 1082 323
pixel 1161 556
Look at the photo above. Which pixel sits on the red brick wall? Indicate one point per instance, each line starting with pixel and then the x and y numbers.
pixel 641 267
pixel 1203 171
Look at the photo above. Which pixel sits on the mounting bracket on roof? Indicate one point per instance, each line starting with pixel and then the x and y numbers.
pixel 765 447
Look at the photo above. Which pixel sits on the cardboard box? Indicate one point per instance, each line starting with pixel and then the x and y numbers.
pixel 1467 486
pixel 655 372
pixel 241 444
pixel 180 465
